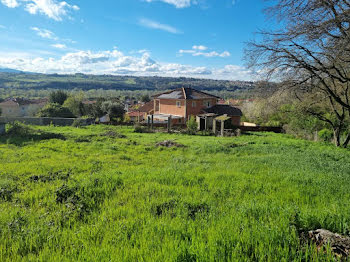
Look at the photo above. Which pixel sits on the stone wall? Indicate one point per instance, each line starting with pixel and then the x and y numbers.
pixel 45 121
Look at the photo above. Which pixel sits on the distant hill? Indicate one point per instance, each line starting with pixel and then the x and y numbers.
pixel 9 70
pixel 23 82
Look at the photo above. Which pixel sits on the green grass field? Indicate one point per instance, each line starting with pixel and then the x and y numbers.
pixel 105 193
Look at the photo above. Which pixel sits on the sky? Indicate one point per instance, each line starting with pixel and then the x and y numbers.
pixel 189 38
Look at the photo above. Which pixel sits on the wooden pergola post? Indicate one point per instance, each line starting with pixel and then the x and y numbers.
pixel 169 124
pixel 152 122
pixel 222 127
pixel 148 122
pixel 214 126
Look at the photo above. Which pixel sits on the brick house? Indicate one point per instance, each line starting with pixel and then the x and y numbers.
pixel 181 104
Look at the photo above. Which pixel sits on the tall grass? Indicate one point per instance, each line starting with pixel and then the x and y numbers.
pixel 93 196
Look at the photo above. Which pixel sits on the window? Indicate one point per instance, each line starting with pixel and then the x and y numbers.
pixel 178 103
pixel 194 104
pixel 207 104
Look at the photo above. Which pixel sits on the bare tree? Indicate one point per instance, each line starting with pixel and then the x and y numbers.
pixel 310 52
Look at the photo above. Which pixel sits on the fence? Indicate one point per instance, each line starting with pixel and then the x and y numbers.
pixel 45 121
pixel 275 129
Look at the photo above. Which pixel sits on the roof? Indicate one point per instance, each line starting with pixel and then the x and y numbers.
pixel 134 113
pixel 185 93
pixel 149 106
pixel 222 118
pixel 22 101
pixel 224 109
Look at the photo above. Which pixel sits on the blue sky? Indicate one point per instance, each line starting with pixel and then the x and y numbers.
pixel 191 38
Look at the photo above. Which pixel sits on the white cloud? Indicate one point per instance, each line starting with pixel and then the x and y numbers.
pixel 10 3
pixel 198 50
pixel 177 3
pixel 59 46
pixel 44 33
pixel 156 25
pixel 53 9
pixel 115 62
pixel 199 47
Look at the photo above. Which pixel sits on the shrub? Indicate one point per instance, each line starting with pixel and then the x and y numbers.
pixel 77 123
pixel 140 129
pixel 55 110
pixel 192 125
pixel 18 129
pixel 325 135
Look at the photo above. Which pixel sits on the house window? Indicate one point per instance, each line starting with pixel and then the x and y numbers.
pixel 194 104
pixel 207 104
pixel 178 103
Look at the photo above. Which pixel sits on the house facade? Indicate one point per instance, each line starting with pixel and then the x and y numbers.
pixel 20 107
pixel 182 103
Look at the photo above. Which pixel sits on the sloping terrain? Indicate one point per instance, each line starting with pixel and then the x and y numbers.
pixel 105 193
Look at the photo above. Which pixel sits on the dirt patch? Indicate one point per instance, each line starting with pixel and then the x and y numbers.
pixel 339 244
pixel 169 143
pixel 113 134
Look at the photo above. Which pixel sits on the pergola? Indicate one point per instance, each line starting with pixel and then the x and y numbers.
pixel 222 119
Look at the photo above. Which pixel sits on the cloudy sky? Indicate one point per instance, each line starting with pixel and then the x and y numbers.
pixel 191 38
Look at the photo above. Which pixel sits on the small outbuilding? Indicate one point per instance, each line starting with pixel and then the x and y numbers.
pixel 232 112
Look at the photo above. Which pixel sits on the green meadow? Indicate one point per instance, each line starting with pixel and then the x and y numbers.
pixel 104 193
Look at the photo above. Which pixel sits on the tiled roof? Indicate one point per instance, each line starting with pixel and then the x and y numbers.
pixel 185 93
pixel 224 109
pixel 135 113
pixel 149 106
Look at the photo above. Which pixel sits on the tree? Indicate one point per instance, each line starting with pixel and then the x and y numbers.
pixel 58 97
pixel 145 98
pixel 311 53
pixel 75 105
pixel 114 109
pixel 55 110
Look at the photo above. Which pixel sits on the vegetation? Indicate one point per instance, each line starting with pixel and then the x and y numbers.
pixel 55 110
pixel 106 193
pixel 192 125
pixel 94 86
pixel 115 110
pixel 310 55
pixel 58 97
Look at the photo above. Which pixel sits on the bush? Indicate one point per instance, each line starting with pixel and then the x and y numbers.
pixel 140 129
pixel 18 129
pixel 55 110
pixel 192 125
pixel 325 135
pixel 77 123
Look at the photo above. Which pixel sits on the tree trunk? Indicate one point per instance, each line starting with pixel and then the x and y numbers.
pixel 347 140
pixel 336 133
